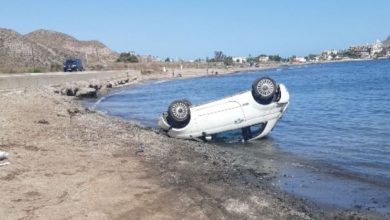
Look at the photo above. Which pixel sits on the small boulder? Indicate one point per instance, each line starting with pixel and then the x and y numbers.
pixel 86 93
pixel 95 85
pixel 109 85
pixel 43 121
pixel 69 91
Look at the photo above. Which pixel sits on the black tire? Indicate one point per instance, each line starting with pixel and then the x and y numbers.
pixel 263 90
pixel 179 114
pixel 188 103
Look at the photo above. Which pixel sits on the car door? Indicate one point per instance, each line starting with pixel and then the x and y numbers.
pixel 219 116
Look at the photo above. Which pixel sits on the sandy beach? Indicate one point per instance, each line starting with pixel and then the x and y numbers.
pixel 67 162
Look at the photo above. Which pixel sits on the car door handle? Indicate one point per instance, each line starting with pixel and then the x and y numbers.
pixel 238 121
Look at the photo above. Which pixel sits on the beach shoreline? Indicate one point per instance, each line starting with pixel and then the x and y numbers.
pixel 69 162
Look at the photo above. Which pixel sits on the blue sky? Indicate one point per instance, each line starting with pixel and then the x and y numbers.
pixel 196 28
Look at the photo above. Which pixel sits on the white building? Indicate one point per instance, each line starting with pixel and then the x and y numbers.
pixel 263 58
pixel 239 59
pixel 300 60
pixel 377 47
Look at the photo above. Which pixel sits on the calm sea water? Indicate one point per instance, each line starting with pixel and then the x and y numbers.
pixel 339 117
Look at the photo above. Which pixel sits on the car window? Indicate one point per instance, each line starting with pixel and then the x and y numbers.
pixel 237 135
pixel 257 129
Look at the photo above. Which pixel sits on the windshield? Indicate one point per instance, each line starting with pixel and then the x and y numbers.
pixel 70 62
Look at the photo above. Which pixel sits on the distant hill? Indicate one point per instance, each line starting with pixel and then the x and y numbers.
pixel 45 50
pixel 387 41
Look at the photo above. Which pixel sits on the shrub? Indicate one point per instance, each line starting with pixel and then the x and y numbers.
pixel 127 58
pixel 55 67
pixel 37 70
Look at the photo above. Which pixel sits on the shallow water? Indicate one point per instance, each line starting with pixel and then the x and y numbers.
pixel 338 121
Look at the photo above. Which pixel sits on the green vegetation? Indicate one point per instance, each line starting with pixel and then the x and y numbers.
pixel 55 67
pixel 127 58
pixel 275 58
pixel 228 61
pixel 220 57
pixel 36 70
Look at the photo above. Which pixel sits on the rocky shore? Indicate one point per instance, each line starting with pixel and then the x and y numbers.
pixel 67 162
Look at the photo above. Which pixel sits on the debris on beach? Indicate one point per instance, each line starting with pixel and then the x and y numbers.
pixel 140 149
pixel 3 155
pixel 43 121
pixel 5 164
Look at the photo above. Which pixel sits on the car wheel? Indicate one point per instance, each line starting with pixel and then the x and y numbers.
pixel 179 113
pixel 188 103
pixel 264 89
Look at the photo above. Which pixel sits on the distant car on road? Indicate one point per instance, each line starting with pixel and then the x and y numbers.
pixel 71 65
pixel 254 112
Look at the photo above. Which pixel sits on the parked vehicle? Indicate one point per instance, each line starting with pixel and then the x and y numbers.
pixel 255 112
pixel 71 65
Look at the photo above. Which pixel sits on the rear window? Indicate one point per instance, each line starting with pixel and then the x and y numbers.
pixel 70 62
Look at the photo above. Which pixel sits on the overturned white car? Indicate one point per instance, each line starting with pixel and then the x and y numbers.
pixel 255 112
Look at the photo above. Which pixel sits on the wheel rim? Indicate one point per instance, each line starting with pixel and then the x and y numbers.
pixel 265 87
pixel 179 110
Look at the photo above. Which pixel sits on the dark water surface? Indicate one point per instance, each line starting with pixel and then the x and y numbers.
pixel 337 127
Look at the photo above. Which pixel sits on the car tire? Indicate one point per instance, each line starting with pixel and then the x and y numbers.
pixel 264 90
pixel 188 103
pixel 179 113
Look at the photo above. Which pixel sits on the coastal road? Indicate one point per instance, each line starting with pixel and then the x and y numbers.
pixel 23 80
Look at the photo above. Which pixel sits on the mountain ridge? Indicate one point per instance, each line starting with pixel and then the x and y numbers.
pixel 46 50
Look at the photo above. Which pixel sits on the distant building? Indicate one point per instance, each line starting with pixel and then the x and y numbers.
pixel 330 52
pixel 263 58
pixel 329 55
pixel 239 59
pixel 299 60
pixel 377 47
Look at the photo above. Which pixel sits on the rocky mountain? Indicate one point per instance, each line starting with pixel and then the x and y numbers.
pixel 44 50
pixel 387 41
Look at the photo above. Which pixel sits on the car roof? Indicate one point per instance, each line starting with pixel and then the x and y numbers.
pixel 73 60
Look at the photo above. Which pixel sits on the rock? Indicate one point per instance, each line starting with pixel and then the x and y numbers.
pixel 122 81
pixel 86 93
pixel 109 85
pixel 73 111
pixel 43 121
pixel 69 90
pixel 95 85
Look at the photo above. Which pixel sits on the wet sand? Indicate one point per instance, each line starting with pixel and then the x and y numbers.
pixel 67 162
